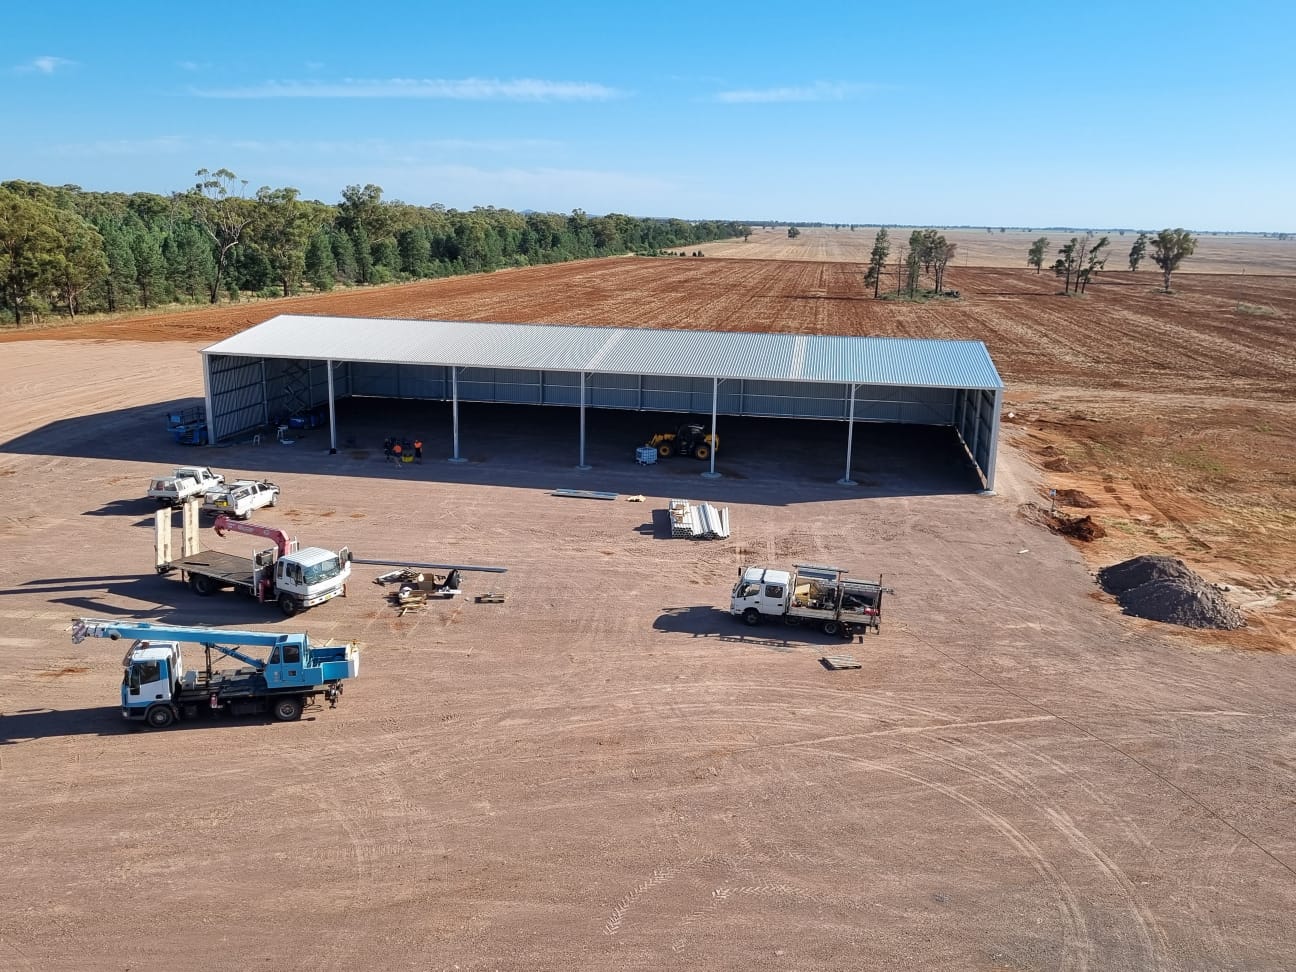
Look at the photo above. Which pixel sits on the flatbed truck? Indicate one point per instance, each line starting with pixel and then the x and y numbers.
pixel 293 577
pixel 809 594
pixel 157 690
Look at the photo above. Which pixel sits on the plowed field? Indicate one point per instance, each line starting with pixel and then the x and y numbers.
pixel 607 770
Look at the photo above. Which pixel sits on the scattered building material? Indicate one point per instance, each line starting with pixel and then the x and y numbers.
pixel 1165 589
pixel 639 498
pixel 584 494
pixel 489 598
pixel 700 522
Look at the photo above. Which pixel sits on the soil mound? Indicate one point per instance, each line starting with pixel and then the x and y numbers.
pixel 1165 589
pixel 1075 497
pixel 1082 528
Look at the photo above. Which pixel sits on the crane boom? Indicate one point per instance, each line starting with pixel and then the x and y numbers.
pixel 281 540
pixel 83 628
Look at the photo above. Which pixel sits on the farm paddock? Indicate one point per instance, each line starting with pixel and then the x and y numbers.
pixel 606 768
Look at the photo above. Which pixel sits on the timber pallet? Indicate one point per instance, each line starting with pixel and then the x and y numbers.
pixel 491 598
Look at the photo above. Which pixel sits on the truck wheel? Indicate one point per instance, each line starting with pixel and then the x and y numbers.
pixel 202 586
pixel 287 709
pixel 160 716
pixel 831 627
pixel 274 500
pixel 288 605
pixel 702 452
pixel 751 617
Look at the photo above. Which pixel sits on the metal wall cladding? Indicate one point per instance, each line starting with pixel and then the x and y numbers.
pixel 237 399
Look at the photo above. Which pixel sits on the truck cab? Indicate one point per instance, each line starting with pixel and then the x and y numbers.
pixel 760 591
pixel 310 576
pixel 150 679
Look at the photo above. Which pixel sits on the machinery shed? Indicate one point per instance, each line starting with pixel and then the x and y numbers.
pixel 292 365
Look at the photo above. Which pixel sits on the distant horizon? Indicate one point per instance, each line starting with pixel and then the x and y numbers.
pixel 943 115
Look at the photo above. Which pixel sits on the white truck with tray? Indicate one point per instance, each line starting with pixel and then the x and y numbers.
pixel 238 499
pixel 809 594
pixel 185 482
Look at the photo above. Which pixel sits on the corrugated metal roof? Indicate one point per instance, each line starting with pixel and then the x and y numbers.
pixel 624 351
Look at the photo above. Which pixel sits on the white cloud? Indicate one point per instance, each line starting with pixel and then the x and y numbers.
pixel 819 91
pixel 45 64
pixel 465 89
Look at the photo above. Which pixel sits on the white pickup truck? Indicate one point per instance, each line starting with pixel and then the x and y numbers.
pixel 809 594
pixel 238 499
pixel 186 481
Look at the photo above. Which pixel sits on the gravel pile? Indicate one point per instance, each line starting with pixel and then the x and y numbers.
pixel 1165 589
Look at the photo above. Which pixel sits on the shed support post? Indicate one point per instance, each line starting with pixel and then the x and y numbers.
pixel 454 412
pixel 582 465
pixel 715 403
pixel 265 395
pixel 207 398
pixel 850 439
pixel 332 414
pixel 992 451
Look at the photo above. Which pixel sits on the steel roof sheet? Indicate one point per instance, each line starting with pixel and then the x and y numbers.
pixel 914 362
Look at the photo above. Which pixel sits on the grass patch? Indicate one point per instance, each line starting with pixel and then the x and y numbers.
pixel 1257 310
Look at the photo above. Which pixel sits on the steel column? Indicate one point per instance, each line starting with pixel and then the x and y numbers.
pixel 207 399
pixel 715 403
pixel 582 464
pixel 454 411
pixel 332 414
pixel 850 439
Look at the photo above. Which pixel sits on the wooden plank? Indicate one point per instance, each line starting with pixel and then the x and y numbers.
pixel 838 662
pixel 489 598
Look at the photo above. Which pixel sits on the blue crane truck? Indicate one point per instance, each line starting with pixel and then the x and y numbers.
pixel 157 690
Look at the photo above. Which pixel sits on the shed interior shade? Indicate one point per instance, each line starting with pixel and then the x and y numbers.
pixel 921 363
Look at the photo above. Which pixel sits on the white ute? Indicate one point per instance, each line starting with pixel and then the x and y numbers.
pixel 239 498
pixel 186 481
pixel 809 594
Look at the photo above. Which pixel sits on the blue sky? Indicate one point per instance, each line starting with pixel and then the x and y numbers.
pixel 1138 114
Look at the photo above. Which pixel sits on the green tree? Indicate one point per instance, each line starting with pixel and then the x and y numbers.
pixel 1170 248
pixel 914 261
pixel 1068 262
pixel 28 247
pixel 150 269
pixel 878 259
pixel 1093 261
pixel 943 256
pixel 282 226
pixel 793 232
pixel 119 279
pixel 320 268
pixel 1138 251
pixel 1035 258
pixel 79 261
pixel 222 213
pixel 344 257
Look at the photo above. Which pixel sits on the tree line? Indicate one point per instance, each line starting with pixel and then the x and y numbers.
pixel 927 251
pixel 65 250
pixel 1083 257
